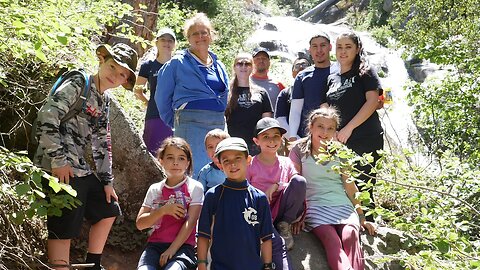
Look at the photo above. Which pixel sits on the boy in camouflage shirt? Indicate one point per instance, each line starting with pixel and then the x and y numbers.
pixel 62 148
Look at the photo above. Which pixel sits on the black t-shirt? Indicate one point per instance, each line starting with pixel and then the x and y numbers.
pixel 242 121
pixel 150 70
pixel 347 93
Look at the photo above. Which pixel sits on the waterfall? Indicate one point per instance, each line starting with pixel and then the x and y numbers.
pixel 285 37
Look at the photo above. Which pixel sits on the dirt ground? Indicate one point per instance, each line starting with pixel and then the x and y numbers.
pixel 115 259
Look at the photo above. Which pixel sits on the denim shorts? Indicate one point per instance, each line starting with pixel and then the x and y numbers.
pixel 94 208
pixel 184 258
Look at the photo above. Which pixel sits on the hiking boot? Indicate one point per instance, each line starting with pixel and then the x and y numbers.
pixel 285 231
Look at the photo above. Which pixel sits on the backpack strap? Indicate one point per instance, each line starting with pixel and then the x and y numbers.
pixel 81 102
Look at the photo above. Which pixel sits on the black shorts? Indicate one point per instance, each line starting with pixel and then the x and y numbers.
pixel 94 208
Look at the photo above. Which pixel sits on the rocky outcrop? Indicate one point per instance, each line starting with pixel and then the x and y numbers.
pixel 309 254
pixel 134 168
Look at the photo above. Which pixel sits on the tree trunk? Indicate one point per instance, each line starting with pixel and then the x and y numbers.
pixel 143 22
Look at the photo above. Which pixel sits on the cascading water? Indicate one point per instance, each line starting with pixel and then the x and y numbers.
pixel 286 37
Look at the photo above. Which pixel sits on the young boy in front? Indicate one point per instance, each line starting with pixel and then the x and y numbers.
pixel 62 149
pixel 235 217
pixel 211 175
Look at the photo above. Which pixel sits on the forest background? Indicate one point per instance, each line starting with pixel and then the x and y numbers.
pixel 436 205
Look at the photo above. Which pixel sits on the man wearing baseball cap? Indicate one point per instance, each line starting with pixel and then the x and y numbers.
pixel 261 65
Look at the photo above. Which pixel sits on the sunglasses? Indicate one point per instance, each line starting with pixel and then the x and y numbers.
pixel 243 64
pixel 301 66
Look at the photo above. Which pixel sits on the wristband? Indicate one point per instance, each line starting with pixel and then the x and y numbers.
pixel 202 261
pixel 269 266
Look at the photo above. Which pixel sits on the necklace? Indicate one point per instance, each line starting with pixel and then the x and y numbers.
pixel 206 63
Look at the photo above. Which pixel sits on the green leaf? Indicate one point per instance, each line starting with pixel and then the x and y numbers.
pixel 69 190
pixel 22 189
pixel 54 184
pixel 18 24
pixel 62 38
pixel 443 246
pixel 37 179
pixel 18 218
pixel 39 193
pixel 42 211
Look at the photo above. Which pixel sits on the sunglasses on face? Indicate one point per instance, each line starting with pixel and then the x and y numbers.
pixel 299 66
pixel 243 64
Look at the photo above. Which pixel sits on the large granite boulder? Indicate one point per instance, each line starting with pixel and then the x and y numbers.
pixel 309 254
pixel 134 168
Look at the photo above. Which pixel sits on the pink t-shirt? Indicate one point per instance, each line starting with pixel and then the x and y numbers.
pixel 188 192
pixel 263 176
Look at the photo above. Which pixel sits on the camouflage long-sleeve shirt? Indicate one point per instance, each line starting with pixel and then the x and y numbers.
pixel 62 144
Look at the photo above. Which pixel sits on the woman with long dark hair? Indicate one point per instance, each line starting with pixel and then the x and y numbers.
pixel 246 103
pixel 354 91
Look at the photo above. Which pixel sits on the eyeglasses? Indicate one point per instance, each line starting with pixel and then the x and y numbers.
pixel 243 64
pixel 301 65
pixel 203 33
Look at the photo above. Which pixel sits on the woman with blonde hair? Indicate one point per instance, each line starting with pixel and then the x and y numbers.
pixel 192 89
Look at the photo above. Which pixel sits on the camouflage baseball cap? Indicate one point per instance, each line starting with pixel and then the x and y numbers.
pixel 123 55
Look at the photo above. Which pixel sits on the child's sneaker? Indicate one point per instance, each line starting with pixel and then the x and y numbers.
pixel 285 231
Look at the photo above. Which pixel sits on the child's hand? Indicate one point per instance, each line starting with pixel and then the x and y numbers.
pixel 165 256
pixel 369 226
pixel 110 193
pixel 175 210
pixel 63 173
pixel 298 226
pixel 269 192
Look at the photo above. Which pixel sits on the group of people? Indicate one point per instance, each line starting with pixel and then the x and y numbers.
pixel 240 155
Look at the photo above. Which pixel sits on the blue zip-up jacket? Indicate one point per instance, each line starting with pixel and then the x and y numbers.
pixel 181 81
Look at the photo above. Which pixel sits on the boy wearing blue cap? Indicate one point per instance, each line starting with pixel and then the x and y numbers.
pixel 235 217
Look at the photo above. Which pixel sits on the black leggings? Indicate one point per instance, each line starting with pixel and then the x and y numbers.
pixel 362 146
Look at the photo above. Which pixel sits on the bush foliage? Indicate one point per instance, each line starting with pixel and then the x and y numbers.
pixel 435 205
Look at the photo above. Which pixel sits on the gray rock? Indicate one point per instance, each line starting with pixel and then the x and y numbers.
pixel 309 254
pixel 134 168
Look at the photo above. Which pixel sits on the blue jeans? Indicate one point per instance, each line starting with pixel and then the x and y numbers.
pixel 182 260
pixel 193 125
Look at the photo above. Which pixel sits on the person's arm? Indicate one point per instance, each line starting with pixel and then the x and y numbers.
pixel 164 93
pixel 139 88
pixel 283 123
pixel 49 118
pixel 362 115
pixel 266 105
pixel 204 229
pixel 294 156
pixel 202 250
pixel 183 234
pixel 266 251
pixel 294 117
pixel 147 216
pixel 351 189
